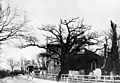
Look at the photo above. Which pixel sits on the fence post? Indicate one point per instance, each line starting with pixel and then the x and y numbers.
pixel 67 79
pixel 82 78
pixel 89 79
pixel 104 78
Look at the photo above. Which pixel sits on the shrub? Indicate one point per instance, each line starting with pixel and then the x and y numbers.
pixel 4 73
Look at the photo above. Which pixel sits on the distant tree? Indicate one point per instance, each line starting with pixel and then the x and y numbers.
pixel 43 60
pixel 39 60
pixel 27 62
pixel 12 63
pixel 23 65
pixel 106 46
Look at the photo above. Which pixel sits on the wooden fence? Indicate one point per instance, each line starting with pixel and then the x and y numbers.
pixel 89 79
pixel 81 78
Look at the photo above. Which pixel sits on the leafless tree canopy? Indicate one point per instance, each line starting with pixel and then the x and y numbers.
pixel 70 34
pixel 12 63
pixel 69 38
pixel 10 27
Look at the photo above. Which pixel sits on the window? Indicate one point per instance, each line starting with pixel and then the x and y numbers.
pixel 93 66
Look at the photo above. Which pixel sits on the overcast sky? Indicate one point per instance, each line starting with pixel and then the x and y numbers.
pixel 97 13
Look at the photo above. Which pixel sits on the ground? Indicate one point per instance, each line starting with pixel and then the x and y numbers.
pixel 24 79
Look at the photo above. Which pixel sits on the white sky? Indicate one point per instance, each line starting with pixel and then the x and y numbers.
pixel 97 13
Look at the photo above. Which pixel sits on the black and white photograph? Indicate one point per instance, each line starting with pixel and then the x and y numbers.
pixel 59 41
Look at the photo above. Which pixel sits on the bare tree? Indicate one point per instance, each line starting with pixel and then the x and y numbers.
pixel 114 49
pixel 67 39
pixel 22 65
pixel 12 63
pixel 70 37
pixel 111 50
pixel 10 26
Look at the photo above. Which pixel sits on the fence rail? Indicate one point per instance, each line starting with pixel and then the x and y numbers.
pixel 81 78
pixel 89 79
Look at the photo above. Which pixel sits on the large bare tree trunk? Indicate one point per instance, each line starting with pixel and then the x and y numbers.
pixel 114 49
pixel 64 66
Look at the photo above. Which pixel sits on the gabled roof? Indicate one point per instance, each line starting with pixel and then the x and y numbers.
pixel 91 54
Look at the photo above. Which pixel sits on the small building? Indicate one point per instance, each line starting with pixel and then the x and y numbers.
pixel 88 61
pixel 84 60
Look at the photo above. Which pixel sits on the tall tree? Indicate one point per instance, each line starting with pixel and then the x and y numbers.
pixel 114 49
pixel 12 63
pixel 70 38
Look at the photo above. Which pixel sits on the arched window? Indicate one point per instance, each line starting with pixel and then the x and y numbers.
pixel 93 66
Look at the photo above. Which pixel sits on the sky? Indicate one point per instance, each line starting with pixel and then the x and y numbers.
pixel 97 13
